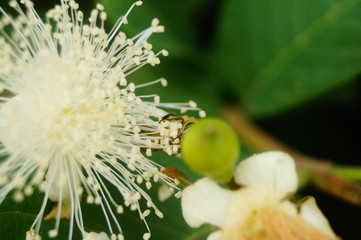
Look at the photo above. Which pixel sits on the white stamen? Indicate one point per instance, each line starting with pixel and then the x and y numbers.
pixel 146 236
pixel 71 119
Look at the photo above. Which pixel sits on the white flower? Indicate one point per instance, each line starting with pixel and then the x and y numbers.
pixel 70 120
pixel 258 210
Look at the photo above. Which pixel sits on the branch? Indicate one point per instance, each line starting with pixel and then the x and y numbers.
pixel 323 174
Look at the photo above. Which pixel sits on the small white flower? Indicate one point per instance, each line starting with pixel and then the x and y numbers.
pixel 70 119
pixel 257 211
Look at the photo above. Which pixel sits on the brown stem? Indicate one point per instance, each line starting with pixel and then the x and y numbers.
pixel 320 169
pixel 233 185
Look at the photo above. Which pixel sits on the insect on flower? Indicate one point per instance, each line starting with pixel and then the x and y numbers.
pixel 184 122
pixel 70 120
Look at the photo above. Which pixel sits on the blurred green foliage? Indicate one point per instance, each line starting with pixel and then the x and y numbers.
pixel 267 55
pixel 282 53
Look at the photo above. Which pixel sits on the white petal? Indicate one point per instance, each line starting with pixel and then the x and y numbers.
pixel 205 202
pixel 248 201
pixel 274 169
pixel 312 214
pixel 96 236
pixel 215 235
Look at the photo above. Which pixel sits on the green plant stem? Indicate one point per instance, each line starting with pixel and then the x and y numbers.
pixel 323 174
pixel 352 173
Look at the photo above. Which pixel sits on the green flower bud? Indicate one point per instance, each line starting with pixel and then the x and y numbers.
pixel 210 147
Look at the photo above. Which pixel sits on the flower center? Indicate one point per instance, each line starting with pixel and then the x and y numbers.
pixel 66 107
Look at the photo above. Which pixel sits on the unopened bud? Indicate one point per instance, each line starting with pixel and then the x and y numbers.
pixel 211 147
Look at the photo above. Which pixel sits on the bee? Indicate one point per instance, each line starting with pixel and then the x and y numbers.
pixel 185 122
pixel 171 146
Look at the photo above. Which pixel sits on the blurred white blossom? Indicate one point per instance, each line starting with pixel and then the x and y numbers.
pixel 258 210
pixel 70 120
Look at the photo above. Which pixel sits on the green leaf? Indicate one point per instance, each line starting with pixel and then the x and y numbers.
pixel 171 15
pixel 281 53
pixel 17 218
